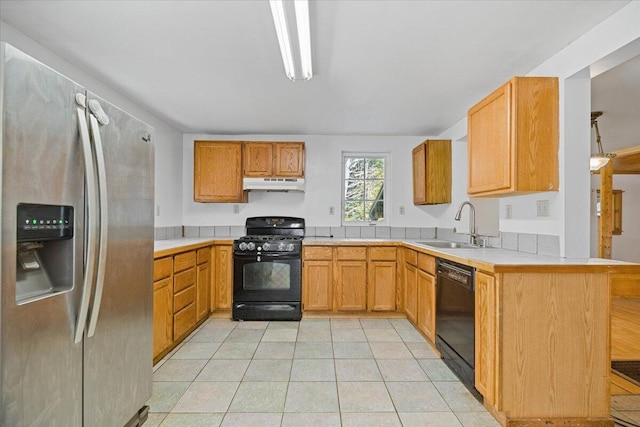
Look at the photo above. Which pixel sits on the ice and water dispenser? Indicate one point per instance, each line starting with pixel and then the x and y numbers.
pixel 44 239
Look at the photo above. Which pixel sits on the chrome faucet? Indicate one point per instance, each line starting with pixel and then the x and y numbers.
pixel 472 221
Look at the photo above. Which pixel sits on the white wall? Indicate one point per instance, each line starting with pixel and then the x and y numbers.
pixel 569 217
pixel 166 138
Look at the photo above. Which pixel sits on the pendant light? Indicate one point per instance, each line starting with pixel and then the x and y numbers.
pixel 600 159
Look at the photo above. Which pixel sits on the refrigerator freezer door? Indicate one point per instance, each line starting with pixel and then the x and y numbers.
pixel 118 356
pixel 41 366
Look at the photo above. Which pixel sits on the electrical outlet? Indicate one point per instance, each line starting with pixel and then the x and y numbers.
pixel 236 209
pixel 509 211
pixel 542 207
pixel 401 210
pixel 332 210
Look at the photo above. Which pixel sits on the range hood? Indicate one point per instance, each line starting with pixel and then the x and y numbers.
pixel 273 184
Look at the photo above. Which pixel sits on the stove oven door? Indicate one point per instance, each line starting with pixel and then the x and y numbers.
pixel 269 278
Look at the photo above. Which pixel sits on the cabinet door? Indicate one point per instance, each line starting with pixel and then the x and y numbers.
pixel 382 286
pixel 426 316
pixel 419 157
pixel 485 331
pixel 410 292
pixel 432 172
pixel 258 159
pixel 289 159
pixel 351 285
pixel 317 285
pixel 489 142
pixel 162 315
pixel 203 283
pixel 217 172
pixel 224 276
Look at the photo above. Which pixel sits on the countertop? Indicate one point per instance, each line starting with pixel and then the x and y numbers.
pixel 489 259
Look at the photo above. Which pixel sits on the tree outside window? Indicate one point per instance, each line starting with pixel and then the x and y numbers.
pixel 364 187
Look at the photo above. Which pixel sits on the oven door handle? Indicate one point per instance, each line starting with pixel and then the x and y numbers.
pixel 278 256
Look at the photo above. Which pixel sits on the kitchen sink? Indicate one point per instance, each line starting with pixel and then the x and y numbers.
pixel 449 245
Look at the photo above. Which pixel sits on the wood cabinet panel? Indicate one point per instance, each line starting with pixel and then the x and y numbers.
pixel 184 298
pixel 162 267
pixel 513 139
pixel 426 310
pixel 183 261
pixel 162 315
pixel 427 263
pixel 203 255
pixel 319 253
pixel 411 256
pixel 203 284
pixel 224 276
pixel 183 321
pixel 184 279
pixel 351 253
pixel 381 285
pixel 431 162
pixel 485 335
pixel 351 286
pixel 383 253
pixel 411 291
pixel 289 159
pixel 317 285
pixel 218 172
pixel 258 159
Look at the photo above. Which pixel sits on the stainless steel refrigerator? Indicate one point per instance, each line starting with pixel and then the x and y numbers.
pixel 77 253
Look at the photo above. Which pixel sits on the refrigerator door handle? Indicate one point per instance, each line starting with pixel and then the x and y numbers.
pixel 104 224
pixel 92 232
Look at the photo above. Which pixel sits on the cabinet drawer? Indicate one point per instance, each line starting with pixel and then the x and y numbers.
pixel 162 268
pixel 204 255
pixel 351 253
pixel 184 260
pixel 157 285
pixel 184 298
pixel 427 263
pixel 382 254
pixel 184 279
pixel 411 257
pixel 184 320
pixel 319 253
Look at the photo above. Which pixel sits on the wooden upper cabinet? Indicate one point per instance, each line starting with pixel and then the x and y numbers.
pixel 513 139
pixel 432 172
pixel 288 159
pixel 217 172
pixel 258 159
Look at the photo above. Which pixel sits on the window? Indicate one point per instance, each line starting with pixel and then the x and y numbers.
pixel 363 193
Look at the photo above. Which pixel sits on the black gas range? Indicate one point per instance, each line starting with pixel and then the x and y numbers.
pixel 267 279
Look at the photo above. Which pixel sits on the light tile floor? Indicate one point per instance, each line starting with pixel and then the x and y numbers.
pixel 319 372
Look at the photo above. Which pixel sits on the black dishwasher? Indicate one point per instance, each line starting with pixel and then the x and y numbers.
pixel 455 319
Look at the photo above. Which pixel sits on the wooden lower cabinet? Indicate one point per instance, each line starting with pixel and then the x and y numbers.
pixel 351 286
pixel 485 335
pixel 411 292
pixel 381 286
pixel 181 288
pixel 223 277
pixel 317 285
pixel 426 310
pixel 203 283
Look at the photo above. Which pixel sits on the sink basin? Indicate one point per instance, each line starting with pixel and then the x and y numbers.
pixel 449 245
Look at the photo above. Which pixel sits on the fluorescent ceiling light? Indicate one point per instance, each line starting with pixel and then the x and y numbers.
pixel 284 39
pixel 304 37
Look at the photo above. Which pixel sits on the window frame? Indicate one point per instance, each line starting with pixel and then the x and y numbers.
pixel 386 156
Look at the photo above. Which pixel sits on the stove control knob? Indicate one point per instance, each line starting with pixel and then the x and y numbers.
pixel 281 247
pixel 242 246
pixel 290 247
pixel 251 246
pixel 266 246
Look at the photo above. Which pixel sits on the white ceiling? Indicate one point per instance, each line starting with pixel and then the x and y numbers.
pixel 380 67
